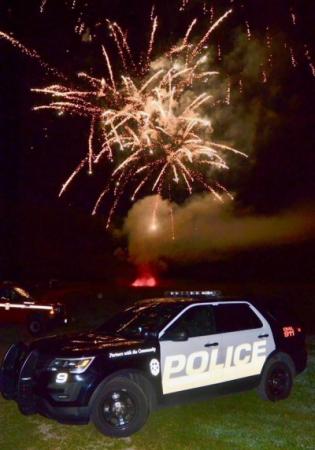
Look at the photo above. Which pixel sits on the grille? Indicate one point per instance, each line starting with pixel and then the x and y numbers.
pixel 25 383
pixel 19 372
pixel 10 369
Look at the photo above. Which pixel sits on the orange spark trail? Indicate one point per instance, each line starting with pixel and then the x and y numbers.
pixel 31 53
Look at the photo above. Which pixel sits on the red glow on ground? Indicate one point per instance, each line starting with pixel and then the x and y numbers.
pixel 145 281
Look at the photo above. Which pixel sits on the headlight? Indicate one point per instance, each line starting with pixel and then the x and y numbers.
pixel 72 365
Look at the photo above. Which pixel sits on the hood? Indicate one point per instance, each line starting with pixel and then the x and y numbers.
pixel 83 344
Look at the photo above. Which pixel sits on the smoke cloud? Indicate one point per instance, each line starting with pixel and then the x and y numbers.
pixel 206 230
pixel 243 116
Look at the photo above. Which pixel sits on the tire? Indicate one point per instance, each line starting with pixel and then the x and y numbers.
pixel 36 326
pixel 276 381
pixel 120 407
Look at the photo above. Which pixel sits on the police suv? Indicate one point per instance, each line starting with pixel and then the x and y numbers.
pixel 157 352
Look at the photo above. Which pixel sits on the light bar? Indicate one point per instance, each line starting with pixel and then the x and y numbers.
pixel 193 293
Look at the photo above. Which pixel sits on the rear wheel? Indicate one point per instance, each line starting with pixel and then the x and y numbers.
pixel 276 382
pixel 36 326
pixel 120 408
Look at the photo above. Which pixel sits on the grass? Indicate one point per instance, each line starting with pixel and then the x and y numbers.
pixel 241 421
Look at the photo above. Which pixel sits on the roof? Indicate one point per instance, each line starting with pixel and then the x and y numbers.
pixel 187 300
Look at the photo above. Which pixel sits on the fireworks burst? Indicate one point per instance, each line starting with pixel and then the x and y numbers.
pixel 151 124
pixel 157 128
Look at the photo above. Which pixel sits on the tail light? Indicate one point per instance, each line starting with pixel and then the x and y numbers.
pixel 290 331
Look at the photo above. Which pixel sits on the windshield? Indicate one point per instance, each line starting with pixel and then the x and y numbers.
pixel 22 293
pixel 140 321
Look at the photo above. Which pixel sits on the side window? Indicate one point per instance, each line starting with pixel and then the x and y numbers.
pixel 235 317
pixel 15 297
pixel 197 321
pixel 12 295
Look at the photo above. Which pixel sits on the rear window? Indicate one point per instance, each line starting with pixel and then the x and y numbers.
pixel 235 317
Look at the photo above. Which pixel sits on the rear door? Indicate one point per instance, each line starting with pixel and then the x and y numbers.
pixel 247 339
pixel 197 361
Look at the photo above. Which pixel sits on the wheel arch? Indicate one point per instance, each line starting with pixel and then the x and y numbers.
pixel 280 356
pixel 36 315
pixel 137 376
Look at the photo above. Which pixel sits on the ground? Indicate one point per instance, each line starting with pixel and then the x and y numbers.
pixel 241 421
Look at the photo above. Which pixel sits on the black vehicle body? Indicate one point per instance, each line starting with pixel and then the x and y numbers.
pixel 68 403
pixel 33 374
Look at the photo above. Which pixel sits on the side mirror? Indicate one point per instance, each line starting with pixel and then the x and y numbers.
pixel 178 335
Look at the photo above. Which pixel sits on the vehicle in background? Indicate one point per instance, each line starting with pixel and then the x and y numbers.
pixel 17 306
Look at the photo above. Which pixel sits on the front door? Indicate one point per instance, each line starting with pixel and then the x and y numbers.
pixel 197 361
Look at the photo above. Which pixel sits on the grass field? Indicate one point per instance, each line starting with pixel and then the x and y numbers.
pixel 241 421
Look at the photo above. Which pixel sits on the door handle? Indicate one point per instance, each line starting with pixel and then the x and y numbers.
pixel 213 344
pixel 263 336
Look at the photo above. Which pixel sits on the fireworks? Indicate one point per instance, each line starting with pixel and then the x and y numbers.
pixel 155 131
pixel 151 123
pixel 84 22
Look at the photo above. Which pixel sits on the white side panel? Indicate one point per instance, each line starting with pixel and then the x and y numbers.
pixel 192 364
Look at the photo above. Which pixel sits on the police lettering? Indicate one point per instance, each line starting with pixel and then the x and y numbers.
pixel 200 362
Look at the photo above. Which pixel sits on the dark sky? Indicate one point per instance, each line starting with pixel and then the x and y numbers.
pixel 43 234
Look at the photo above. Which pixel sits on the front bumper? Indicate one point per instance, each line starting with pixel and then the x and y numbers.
pixel 63 414
pixel 19 381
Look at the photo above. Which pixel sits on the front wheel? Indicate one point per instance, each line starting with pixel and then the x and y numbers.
pixel 276 381
pixel 120 408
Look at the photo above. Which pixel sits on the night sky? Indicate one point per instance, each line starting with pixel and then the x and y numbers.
pixel 273 122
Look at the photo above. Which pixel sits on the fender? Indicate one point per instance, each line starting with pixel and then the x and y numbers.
pixel 280 356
